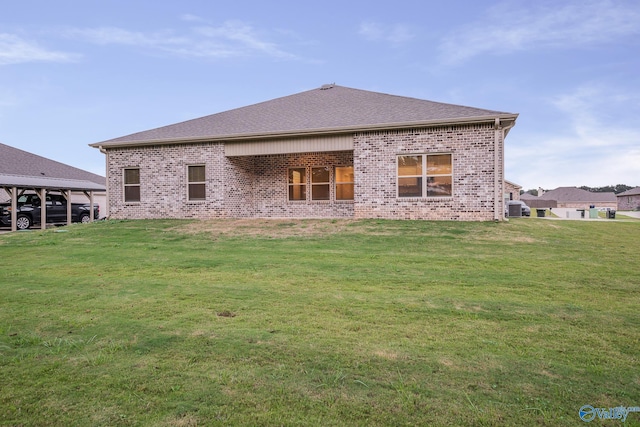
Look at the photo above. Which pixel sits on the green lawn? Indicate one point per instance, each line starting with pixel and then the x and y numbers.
pixel 319 323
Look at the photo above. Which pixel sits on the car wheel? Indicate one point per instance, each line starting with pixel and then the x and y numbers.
pixel 84 218
pixel 23 222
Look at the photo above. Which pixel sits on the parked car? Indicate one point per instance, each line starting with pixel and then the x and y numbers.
pixel 524 209
pixel 29 211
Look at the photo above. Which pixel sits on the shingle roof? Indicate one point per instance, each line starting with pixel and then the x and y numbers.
pixel 574 194
pixel 329 109
pixel 632 192
pixel 18 167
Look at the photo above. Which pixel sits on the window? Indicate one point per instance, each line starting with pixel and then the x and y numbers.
pixel 132 185
pixel 344 182
pixel 417 169
pixel 320 184
pixel 196 182
pixel 439 175
pixel 297 184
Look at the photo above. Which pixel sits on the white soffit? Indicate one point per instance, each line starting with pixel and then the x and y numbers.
pixel 290 145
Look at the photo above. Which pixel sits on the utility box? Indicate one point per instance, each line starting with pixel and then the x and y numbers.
pixel 515 210
pixel 593 213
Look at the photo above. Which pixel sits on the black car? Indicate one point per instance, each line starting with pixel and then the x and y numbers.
pixel 29 212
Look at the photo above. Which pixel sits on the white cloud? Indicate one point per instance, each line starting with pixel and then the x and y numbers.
pixel 232 39
pixel 395 34
pixel 509 29
pixel 590 146
pixel 15 50
pixel 191 18
pixel 244 38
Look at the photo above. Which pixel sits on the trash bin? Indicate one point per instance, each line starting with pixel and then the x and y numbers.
pixel 611 214
pixel 581 212
pixel 541 212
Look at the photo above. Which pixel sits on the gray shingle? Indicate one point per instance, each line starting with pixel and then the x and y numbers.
pixel 632 192
pixel 328 109
pixel 19 163
pixel 574 194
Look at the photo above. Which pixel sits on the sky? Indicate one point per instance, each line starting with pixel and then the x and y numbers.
pixel 76 72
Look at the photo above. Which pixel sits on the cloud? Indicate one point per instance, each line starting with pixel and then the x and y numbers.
pixel 508 29
pixel 395 34
pixel 590 146
pixel 231 39
pixel 243 37
pixel 15 50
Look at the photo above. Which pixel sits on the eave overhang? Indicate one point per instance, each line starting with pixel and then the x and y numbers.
pixel 505 120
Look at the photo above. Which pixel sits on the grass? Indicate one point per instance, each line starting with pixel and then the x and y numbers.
pixel 180 323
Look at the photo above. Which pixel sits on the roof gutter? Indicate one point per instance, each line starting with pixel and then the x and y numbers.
pixel 105 145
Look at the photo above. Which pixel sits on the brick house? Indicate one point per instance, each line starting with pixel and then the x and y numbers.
pixel 331 152
pixel 629 200
pixel 571 198
pixel 511 190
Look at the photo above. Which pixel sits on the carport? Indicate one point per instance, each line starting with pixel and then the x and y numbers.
pixel 16 185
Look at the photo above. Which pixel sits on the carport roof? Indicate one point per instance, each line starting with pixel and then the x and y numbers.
pixel 49 183
pixel 19 168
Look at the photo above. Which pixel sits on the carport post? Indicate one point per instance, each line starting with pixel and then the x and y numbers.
pixel 67 195
pixel 89 194
pixel 91 215
pixel 43 208
pixel 14 208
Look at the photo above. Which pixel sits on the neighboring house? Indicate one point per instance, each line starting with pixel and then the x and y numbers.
pixel 570 197
pixel 24 171
pixel 629 200
pixel 511 190
pixel 331 152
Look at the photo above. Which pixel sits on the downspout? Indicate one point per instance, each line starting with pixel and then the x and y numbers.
pixel 106 170
pixel 500 132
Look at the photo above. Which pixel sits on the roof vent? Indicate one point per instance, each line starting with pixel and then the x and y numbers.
pixel 327 86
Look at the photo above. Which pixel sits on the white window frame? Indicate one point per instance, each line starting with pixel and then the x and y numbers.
pixel 125 185
pixel 189 183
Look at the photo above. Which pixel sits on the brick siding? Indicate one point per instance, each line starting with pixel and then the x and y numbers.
pixel 256 186
pixel 472 148
pixel 628 203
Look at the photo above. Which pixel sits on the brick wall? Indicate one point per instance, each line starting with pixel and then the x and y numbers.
pixel 472 148
pixel 513 190
pixel 628 203
pixel 256 186
pixel 163 182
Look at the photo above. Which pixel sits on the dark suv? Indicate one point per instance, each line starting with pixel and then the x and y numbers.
pixel 29 211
